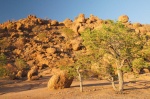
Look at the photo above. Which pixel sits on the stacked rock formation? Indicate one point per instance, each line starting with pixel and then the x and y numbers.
pixel 49 43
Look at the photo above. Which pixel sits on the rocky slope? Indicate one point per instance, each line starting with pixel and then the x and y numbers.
pixel 49 43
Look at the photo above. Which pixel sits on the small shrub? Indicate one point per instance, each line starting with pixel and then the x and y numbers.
pixel 138 64
pixel 70 70
pixel 3 71
pixel 3 61
pixel 68 32
pixel 42 36
pixel 20 64
pixel 38 28
pixel 4 44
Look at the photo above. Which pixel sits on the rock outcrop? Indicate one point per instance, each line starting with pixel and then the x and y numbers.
pixel 49 43
pixel 59 81
pixel 123 18
pixel 33 73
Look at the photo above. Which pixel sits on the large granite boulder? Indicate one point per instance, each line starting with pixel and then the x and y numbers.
pixel 60 80
pixel 123 18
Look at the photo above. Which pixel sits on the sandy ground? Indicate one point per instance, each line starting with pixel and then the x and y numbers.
pixel 93 89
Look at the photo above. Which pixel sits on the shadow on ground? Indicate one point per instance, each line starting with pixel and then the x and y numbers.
pixel 18 85
pixel 8 86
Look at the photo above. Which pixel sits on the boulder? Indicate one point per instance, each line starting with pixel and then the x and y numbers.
pixel 145 70
pixel 20 43
pixel 19 26
pixel 31 62
pixel 136 25
pixel 35 77
pixel 68 22
pixel 39 21
pixel 123 19
pixel 81 29
pixel 75 27
pixel 32 72
pixel 17 51
pixel 137 30
pixel 76 43
pixel 19 74
pixel 54 23
pixel 93 19
pixel 43 61
pixel 80 19
pixel 51 50
pixel 142 29
pixel 60 80
pixel 31 16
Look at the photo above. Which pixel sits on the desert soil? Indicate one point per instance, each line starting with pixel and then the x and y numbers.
pixel 138 88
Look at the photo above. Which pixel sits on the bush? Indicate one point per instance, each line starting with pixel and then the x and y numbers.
pixel 68 32
pixel 4 44
pixel 42 36
pixel 138 64
pixel 3 71
pixel 3 61
pixel 21 64
pixel 39 28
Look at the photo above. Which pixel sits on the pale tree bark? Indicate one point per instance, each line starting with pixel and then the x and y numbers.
pixel 120 78
pixel 113 84
pixel 80 80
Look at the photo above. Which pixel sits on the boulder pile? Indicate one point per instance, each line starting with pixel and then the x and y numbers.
pixel 49 43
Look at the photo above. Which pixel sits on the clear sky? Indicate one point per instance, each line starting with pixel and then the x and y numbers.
pixel 137 10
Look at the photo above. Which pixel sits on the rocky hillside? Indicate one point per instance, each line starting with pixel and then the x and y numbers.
pixel 48 43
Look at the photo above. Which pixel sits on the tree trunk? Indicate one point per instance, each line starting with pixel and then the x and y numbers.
pixel 80 80
pixel 113 84
pixel 120 79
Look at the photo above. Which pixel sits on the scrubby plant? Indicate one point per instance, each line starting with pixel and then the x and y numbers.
pixel 3 44
pixel 79 68
pixel 138 64
pixel 146 49
pixel 3 71
pixel 39 28
pixel 42 36
pixel 20 64
pixel 3 61
pixel 68 32
pixel 36 29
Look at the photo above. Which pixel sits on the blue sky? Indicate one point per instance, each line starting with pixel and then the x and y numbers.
pixel 137 10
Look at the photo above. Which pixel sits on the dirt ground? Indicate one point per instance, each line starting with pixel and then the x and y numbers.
pixel 138 88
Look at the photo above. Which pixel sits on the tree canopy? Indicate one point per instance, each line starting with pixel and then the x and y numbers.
pixel 117 47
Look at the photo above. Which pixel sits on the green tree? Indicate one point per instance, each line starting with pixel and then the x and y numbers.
pixel 81 65
pixel 78 68
pixel 116 47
